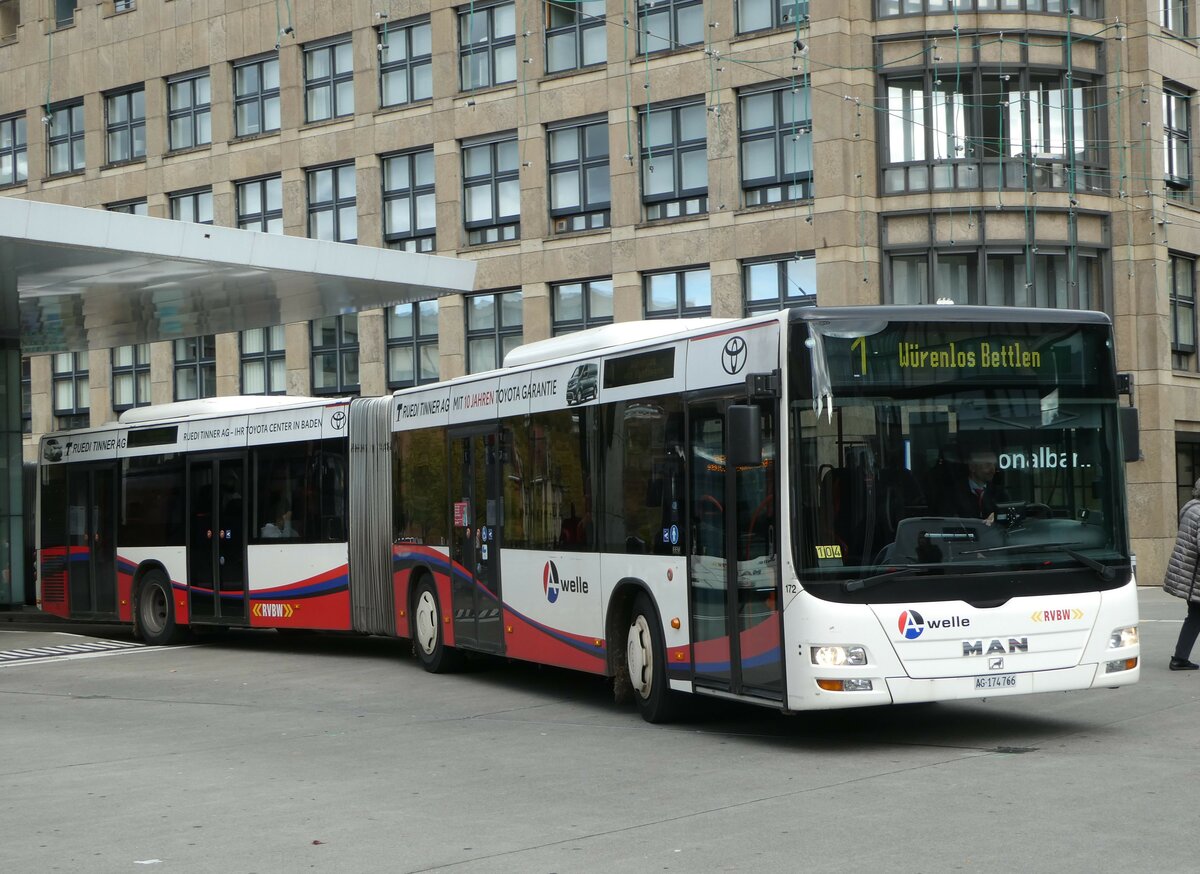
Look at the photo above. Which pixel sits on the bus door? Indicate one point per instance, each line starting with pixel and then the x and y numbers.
pixel 476 465
pixel 733 560
pixel 217 540
pixel 91 546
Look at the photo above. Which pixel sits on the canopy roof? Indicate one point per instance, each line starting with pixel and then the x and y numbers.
pixel 93 279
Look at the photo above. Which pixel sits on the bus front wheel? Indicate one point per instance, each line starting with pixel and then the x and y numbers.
pixel 646 657
pixel 156 611
pixel 428 640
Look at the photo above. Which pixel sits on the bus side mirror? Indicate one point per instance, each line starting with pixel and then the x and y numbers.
pixel 743 440
pixel 1128 417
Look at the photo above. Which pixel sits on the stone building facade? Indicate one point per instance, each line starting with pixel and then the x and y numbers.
pixel 624 159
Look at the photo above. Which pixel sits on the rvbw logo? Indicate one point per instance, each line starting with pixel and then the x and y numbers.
pixel 553 586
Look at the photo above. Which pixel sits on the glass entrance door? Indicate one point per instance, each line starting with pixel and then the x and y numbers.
pixel 217 540
pixel 733 567
pixel 476 464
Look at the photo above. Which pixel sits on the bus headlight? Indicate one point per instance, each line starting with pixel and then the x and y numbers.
pixel 836 655
pixel 1123 637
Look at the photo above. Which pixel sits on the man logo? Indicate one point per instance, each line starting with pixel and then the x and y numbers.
pixel 550 582
pixel 733 356
pixel 911 624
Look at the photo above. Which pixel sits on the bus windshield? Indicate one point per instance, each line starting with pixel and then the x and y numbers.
pixel 949 459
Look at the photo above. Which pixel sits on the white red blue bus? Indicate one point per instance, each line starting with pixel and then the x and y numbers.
pixel 776 509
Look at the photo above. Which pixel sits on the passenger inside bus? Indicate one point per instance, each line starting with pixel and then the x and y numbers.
pixel 280 524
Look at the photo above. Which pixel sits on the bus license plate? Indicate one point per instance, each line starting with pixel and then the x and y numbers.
pixel 997 681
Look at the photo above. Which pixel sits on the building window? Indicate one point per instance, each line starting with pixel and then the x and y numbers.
pixel 332 212
pixel 260 205
pixel 65 140
pixel 998 277
pixel 256 96
pixel 412 344
pixel 1083 8
pixel 196 368
pixel 495 324
pixel 575 306
pixel 770 14
pixel 26 396
pixel 1177 139
pixel 668 24
pixel 409 204
pixel 491 191
pixel 329 80
pixel 335 355
pixel 1187 466
pixel 193 206
pixel 780 283
pixel 130 376
pixel 72 393
pixel 264 366
pixel 677 294
pixel 487 45
pixel 1182 290
pixel 189 110
pixel 580 193
pixel 64 12
pixel 405 63
pixel 130 207
pixel 674 161
pixel 990 129
pixel 10 19
pixel 125 122
pixel 123 6
pixel 776 145
pixel 14 155
pixel 575 34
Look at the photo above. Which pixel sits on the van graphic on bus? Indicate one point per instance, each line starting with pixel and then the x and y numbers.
pixel 582 384
pixel 52 450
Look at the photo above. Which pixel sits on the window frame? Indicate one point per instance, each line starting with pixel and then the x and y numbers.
pixel 778 187
pixel 137 371
pixel 192 112
pixel 335 206
pixel 340 349
pixel 491 45
pixel 582 23
pixel 176 198
pixel 674 9
pixel 587 319
pixel 588 215
pixel 1094 8
pixel 202 365
pixel 333 80
pixel 129 126
pixel 17 148
pixel 681 310
pixel 1181 265
pixel 73 137
pixel 779 19
pixel 422 238
pixel 1174 99
pixel 499 332
pixel 264 217
pixel 783 283
pixel 675 203
pixel 78 377
pixel 139 206
pixel 388 32
pixel 415 346
pixel 260 98
pixel 506 227
pixel 269 355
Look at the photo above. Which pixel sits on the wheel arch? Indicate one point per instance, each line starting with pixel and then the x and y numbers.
pixel 618 616
pixel 143 570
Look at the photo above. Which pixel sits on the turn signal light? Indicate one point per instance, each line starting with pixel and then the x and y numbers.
pixel 845 685
pixel 675 623
pixel 1121 665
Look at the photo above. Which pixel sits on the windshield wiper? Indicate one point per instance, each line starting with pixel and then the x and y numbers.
pixel 901 572
pixel 1106 572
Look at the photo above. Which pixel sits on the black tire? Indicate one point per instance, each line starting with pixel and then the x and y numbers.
pixel 646 658
pixel 156 611
pixel 429 642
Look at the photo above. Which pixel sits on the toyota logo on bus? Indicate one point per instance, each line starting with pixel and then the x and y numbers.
pixel 733 356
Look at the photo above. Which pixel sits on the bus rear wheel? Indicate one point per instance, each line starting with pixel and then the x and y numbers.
pixel 428 641
pixel 646 658
pixel 156 611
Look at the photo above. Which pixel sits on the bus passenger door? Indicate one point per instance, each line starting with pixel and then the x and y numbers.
pixel 91 546
pixel 476 464
pixel 217 540
pixel 733 567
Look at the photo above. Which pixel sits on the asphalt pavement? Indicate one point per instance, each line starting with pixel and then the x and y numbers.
pixel 256 752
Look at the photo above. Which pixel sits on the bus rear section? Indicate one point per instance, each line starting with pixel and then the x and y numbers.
pixel 962 527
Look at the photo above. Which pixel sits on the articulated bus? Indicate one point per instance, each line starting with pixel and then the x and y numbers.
pixel 817 508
